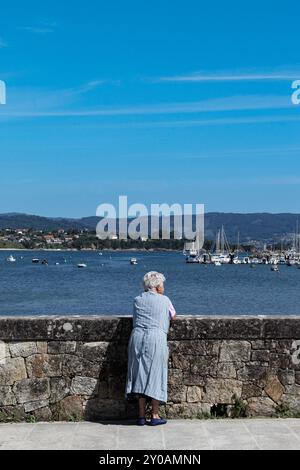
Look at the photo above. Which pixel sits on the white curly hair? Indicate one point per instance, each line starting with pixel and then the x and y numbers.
pixel 153 279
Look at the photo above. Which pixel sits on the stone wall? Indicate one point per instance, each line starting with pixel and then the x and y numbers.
pixel 71 368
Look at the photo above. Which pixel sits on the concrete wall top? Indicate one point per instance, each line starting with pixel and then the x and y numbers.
pixel 117 328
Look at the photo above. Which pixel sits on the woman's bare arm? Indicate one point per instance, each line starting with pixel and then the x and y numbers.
pixel 172 312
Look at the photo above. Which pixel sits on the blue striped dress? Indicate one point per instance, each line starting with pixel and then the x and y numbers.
pixel 148 350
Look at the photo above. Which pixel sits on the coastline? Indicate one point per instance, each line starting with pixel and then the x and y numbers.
pixel 136 250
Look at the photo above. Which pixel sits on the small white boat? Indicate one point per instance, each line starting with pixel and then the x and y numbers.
pixel 275 268
pixel 192 259
pixel 133 261
pixel 11 259
pixel 290 262
pixel 35 260
pixel 217 263
pixel 81 265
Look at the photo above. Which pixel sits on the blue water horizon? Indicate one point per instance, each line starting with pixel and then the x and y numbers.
pixel 109 283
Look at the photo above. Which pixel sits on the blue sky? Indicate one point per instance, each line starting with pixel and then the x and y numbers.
pixel 163 101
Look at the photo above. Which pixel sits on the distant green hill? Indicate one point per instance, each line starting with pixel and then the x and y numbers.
pixel 256 226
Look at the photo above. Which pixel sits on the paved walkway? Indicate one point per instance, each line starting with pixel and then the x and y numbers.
pixel 177 434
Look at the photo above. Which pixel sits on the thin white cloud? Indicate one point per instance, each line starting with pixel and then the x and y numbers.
pixel 280 181
pixel 38 30
pixel 167 124
pixel 89 86
pixel 26 102
pixel 242 182
pixel 2 43
pixel 213 122
pixel 249 152
pixel 230 76
pixel 42 27
pixel 198 122
pixel 51 104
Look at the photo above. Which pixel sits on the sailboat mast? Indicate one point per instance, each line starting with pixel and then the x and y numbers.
pixel 218 242
pixel 222 239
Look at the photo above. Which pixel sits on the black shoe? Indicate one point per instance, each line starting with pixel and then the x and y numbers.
pixel 141 421
pixel 157 421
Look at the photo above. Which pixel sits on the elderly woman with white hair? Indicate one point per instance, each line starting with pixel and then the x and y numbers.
pixel 148 351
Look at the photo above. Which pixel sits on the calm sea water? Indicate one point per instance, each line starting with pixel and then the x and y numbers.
pixel 109 283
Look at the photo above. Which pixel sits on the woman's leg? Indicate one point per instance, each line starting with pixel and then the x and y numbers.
pixel 155 408
pixel 142 407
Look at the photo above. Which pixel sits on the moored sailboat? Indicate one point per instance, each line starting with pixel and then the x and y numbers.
pixel 221 251
pixel 192 250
